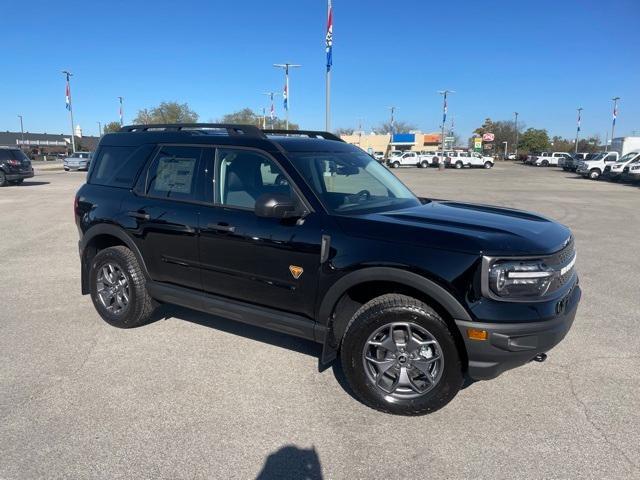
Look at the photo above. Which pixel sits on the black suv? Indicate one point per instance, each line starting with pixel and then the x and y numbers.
pixel 299 232
pixel 15 166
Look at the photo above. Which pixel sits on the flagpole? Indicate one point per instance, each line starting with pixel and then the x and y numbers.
pixel 286 93
pixel 73 140
pixel 121 110
pixel 615 115
pixel 329 48
pixel 578 127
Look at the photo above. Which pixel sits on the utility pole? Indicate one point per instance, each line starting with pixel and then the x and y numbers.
pixel 516 126
pixel 505 150
pixel 264 118
pixel 121 99
pixel 70 108
pixel 393 111
pixel 444 94
pixel 272 111
pixel 99 129
pixel 578 128
pixel 329 51
pixel 286 93
pixel 21 132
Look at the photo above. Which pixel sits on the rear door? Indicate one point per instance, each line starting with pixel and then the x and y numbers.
pixel 265 261
pixel 163 215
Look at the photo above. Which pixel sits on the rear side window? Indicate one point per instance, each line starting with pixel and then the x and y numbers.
pixel 5 154
pixel 173 174
pixel 114 167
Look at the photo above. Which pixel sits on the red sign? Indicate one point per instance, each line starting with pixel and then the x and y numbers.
pixel 488 137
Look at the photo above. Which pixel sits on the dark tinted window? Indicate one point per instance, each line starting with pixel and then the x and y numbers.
pixel 114 167
pixel 173 173
pixel 5 154
pixel 19 155
pixel 244 175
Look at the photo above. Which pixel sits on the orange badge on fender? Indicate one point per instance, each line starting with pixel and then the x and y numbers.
pixel 296 271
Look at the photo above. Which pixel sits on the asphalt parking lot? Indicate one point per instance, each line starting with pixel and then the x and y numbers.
pixel 195 396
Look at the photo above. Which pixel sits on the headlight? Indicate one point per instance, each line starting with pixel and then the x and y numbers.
pixel 525 278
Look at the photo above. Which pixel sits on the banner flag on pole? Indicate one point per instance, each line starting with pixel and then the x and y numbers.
pixel 615 113
pixel 329 38
pixel 579 114
pixel 444 112
pixel 285 96
pixel 67 97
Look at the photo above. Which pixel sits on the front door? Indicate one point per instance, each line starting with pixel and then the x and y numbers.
pixel 265 261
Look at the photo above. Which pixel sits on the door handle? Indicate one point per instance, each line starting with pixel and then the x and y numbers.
pixel 221 227
pixel 139 215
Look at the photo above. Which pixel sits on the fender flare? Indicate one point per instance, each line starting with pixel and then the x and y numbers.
pixel 113 231
pixel 334 332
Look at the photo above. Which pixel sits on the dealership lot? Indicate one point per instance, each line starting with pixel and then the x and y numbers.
pixel 195 396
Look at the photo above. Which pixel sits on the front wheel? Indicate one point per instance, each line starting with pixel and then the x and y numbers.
pixel 458 165
pixel 424 164
pixel 488 164
pixel 3 179
pixel 400 357
pixel 594 174
pixel 118 288
pixel 395 164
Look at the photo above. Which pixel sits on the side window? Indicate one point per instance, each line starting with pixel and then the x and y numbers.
pixel 173 173
pixel 243 175
pixel 113 167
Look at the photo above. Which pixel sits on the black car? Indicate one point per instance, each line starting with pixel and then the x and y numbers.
pixel 302 233
pixel 15 166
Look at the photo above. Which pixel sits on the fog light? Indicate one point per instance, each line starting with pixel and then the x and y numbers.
pixel 477 334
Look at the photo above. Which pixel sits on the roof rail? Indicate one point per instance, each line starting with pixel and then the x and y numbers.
pixel 232 129
pixel 308 133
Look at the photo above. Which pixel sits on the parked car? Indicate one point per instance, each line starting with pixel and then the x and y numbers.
pixel 379 156
pixel 468 159
pixel 15 166
pixel 290 231
pixel 571 164
pixel 77 161
pixel 531 158
pixel 550 159
pixel 634 170
pixel 615 170
pixel 408 159
pixel 596 166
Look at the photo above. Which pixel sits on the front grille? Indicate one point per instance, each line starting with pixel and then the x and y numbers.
pixel 557 262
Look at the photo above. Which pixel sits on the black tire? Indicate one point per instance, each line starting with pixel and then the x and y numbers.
pixel 3 179
pixel 424 164
pixel 459 165
pixel 19 181
pixel 488 165
pixel 594 174
pixel 378 313
pixel 395 164
pixel 545 163
pixel 140 306
pixel 66 169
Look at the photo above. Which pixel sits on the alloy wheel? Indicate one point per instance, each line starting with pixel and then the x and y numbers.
pixel 113 288
pixel 403 360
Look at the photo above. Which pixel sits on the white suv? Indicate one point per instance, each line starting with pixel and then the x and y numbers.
pixel 467 159
pixel 551 159
pixel 408 159
pixel 619 167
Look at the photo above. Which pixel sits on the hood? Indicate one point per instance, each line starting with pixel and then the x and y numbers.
pixel 465 227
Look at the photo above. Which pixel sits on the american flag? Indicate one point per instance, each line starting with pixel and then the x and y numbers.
pixel 67 96
pixel 444 112
pixel 329 39
pixel 579 114
pixel 120 110
pixel 615 113
pixel 272 113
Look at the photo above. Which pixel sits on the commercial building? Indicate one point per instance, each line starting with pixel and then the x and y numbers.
pixel 373 142
pixel 38 145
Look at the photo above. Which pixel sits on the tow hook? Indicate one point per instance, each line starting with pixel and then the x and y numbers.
pixel 541 357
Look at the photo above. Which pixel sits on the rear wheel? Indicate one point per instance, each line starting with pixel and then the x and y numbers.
pixel 118 288
pixel 545 163
pixel 3 179
pixel 399 356
pixel 458 164
pixel 488 164
pixel 395 164
pixel 424 164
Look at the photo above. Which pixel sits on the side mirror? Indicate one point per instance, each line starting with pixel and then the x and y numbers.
pixel 273 205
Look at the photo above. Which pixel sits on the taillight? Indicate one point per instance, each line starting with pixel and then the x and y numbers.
pixel 14 163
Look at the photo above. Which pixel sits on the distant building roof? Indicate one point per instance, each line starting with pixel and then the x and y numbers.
pixel 13 139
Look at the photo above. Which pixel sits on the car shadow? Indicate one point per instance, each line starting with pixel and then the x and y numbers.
pixel 292 463
pixel 27 183
pixel 300 345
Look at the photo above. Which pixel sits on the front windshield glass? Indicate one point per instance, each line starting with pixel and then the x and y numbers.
pixel 350 182
pixel 599 156
pixel 627 157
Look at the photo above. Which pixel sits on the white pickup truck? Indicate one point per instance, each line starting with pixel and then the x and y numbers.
pixel 409 159
pixel 596 166
pixel 550 159
pixel 615 170
pixel 468 159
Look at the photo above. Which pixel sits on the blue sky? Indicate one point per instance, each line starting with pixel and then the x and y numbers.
pixel 541 58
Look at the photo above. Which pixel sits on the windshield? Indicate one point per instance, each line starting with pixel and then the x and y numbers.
pixel 352 182
pixel 599 156
pixel 627 157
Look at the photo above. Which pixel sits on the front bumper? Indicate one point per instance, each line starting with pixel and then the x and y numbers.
pixel 511 345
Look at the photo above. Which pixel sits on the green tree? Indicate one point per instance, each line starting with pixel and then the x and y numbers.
pixel 590 144
pixel 503 131
pixel 560 144
pixel 246 116
pixel 111 127
pixel 344 131
pixel 534 140
pixel 166 112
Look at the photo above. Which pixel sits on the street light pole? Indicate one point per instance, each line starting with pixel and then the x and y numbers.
pixel 444 94
pixel 121 99
pixel 578 128
pixel 505 150
pixel 21 132
pixel 516 149
pixel 70 108
pixel 99 129
pixel 286 93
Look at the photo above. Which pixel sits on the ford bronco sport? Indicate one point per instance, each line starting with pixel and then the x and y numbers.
pixel 302 233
